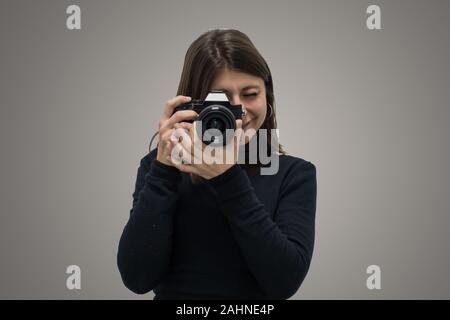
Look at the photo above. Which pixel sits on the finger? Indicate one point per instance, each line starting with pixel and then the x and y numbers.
pixel 172 103
pixel 190 136
pixel 165 135
pixel 239 131
pixel 184 125
pixel 185 167
pixel 194 149
pixel 182 136
pixel 192 153
pixel 189 129
pixel 183 160
pixel 193 132
pixel 179 155
pixel 180 116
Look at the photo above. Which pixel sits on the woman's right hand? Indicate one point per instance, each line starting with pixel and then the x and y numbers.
pixel 166 126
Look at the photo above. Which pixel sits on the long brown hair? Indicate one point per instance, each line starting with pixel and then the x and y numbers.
pixel 215 50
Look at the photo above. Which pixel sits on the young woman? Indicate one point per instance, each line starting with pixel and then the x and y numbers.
pixel 220 231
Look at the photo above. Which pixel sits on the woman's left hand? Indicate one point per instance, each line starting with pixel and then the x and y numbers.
pixel 208 162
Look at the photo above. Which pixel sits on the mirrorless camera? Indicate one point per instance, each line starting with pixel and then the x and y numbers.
pixel 217 116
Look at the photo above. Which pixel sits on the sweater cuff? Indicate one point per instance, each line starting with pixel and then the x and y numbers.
pixel 165 172
pixel 229 184
pixel 225 176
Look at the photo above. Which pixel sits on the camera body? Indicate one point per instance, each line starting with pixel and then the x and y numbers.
pixel 217 116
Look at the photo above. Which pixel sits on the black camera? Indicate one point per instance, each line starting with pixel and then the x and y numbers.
pixel 217 116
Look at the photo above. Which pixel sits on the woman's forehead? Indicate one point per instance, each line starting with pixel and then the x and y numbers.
pixel 228 80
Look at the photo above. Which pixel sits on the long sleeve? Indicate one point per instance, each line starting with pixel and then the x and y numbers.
pixel 277 251
pixel 145 245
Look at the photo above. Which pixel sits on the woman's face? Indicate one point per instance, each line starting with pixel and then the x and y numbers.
pixel 247 90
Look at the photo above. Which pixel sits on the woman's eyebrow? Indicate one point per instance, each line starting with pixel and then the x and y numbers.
pixel 245 88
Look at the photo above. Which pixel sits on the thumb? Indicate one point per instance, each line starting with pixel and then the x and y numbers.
pixel 238 134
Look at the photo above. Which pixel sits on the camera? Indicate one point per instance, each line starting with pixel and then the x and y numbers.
pixel 217 117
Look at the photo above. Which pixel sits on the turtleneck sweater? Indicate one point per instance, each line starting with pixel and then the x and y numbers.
pixel 234 236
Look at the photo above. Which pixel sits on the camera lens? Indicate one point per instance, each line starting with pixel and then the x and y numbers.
pixel 216 123
pixel 218 119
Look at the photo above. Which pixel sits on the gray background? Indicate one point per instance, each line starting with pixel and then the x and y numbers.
pixel 369 108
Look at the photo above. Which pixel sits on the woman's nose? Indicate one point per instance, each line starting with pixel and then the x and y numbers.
pixel 235 100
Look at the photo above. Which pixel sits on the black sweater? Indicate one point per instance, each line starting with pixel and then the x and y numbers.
pixel 235 236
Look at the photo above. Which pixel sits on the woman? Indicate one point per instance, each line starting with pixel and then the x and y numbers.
pixel 219 231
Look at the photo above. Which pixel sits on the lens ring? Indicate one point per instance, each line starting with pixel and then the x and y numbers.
pixel 220 114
